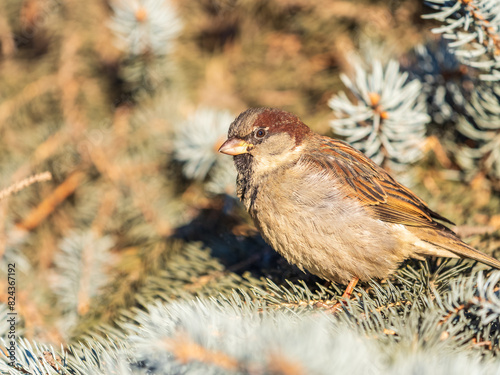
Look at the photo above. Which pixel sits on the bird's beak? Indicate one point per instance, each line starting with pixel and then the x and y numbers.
pixel 235 146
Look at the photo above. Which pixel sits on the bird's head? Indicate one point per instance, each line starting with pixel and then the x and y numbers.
pixel 265 138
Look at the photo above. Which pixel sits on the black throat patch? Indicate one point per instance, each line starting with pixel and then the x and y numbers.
pixel 244 166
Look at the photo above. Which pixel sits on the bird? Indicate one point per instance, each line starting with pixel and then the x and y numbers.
pixel 328 208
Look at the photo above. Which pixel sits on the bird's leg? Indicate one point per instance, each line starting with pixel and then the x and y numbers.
pixel 347 294
pixel 350 288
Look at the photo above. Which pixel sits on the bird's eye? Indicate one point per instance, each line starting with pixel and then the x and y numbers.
pixel 261 133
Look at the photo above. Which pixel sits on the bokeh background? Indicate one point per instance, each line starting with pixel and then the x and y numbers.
pixel 125 103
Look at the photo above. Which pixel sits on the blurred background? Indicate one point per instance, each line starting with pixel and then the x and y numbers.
pixel 125 103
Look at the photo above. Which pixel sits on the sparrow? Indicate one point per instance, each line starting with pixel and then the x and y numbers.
pixel 328 208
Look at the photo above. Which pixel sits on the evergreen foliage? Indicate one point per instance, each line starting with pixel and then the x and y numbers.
pixel 196 144
pixel 148 26
pixel 132 253
pixel 474 28
pixel 481 123
pixel 443 81
pixel 80 273
pixel 388 121
pixel 418 329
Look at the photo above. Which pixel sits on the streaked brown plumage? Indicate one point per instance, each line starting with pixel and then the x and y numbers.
pixel 328 208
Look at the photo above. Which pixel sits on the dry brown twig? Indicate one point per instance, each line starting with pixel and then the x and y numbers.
pixel 48 205
pixel 20 185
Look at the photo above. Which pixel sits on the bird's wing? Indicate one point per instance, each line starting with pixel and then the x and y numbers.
pixel 365 181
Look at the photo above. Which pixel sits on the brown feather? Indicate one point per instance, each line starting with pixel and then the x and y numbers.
pixel 448 241
pixel 373 186
pixel 390 201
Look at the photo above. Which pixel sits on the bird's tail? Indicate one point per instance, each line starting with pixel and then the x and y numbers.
pixel 448 244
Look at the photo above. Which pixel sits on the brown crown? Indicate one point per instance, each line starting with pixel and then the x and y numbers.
pixel 275 119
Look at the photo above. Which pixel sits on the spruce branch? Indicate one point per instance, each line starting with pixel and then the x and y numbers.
pixel 32 358
pixel 80 273
pixel 238 334
pixel 191 273
pixel 445 82
pixel 196 143
pixel 474 27
pixel 146 31
pixel 481 124
pixel 170 271
pixel 296 297
pixel 388 120
pixel 145 26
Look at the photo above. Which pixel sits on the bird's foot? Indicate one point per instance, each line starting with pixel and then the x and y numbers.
pixel 343 300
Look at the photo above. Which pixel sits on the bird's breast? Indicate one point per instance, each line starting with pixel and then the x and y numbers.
pixel 308 220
